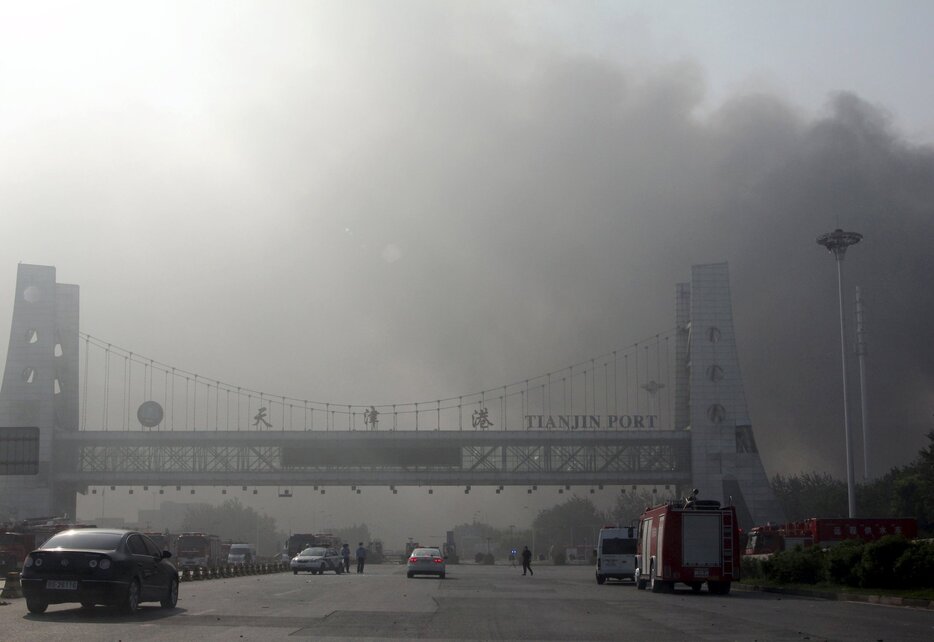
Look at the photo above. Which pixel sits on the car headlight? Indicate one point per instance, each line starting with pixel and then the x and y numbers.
pixel 28 562
pixel 92 563
pixel 104 564
pixel 39 561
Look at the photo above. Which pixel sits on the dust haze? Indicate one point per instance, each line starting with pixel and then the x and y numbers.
pixel 394 203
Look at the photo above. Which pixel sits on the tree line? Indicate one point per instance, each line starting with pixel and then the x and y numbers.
pixel 906 491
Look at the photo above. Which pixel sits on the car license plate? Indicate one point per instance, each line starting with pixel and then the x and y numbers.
pixel 701 572
pixel 67 585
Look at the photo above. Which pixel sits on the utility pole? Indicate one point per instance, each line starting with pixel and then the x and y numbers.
pixel 861 356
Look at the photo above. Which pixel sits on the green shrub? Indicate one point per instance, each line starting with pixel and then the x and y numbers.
pixel 877 566
pixel 915 567
pixel 751 568
pixel 798 566
pixel 843 562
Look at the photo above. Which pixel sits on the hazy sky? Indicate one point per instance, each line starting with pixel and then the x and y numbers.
pixel 396 201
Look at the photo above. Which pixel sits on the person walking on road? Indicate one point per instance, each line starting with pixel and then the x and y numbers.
pixel 345 557
pixel 527 560
pixel 361 557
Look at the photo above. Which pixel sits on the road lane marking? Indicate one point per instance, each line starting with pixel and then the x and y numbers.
pixel 286 593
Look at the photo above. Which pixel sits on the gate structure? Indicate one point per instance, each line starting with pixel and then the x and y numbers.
pixel 654 414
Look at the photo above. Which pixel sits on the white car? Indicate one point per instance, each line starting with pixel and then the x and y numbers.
pixel 317 560
pixel 426 561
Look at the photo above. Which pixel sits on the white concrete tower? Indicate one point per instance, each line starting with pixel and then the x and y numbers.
pixel 39 396
pixel 725 461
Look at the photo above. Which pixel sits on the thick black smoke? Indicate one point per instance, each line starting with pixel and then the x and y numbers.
pixel 562 212
pixel 386 206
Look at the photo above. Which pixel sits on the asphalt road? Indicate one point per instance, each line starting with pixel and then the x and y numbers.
pixel 473 602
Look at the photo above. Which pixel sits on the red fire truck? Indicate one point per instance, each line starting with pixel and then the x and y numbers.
pixel 691 542
pixel 198 550
pixel 825 532
pixel 18 539
pixel 163 540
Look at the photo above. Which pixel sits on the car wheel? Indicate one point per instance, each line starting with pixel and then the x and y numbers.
pixel 409 575
pixel 601 578
pixel 36 605
pixel 171 599
pixel 696 587
pixel 131 599
pixel 442 576
pixel 294 572
pixel 339 570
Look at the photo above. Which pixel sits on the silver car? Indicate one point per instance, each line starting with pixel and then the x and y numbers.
pixel 317 560
pixel 426 561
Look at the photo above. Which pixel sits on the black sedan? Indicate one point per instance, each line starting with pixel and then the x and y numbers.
pixel 99 566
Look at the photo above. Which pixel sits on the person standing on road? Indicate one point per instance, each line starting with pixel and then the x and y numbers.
pixel 361 557
pixel 527 560
pixel 345 557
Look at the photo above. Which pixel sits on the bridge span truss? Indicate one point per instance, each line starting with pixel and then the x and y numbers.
pixel 365 458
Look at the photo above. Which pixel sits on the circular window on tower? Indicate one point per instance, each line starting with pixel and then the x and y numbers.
pixel 716 413
pixel 715 373
pixel 31 294
pixel 713 334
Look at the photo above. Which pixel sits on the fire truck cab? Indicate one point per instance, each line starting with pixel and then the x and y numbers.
pixel 198 550
pixel 692 542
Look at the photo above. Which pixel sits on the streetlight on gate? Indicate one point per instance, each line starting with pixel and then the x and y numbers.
pixel 836 242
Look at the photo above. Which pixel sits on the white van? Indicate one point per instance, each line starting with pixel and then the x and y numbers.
pixel 241 554
pixel 616 553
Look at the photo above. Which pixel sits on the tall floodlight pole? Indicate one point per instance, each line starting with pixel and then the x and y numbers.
pixel 861 356
pixel 837 242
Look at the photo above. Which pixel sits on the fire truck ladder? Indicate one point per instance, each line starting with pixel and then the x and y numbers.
pixel 727 543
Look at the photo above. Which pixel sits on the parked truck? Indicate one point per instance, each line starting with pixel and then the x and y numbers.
pixel 825 532
pixel 14 547
pixel 17 539
pixel 693 542
pixel 198 550
pixel 163 540
pixel 300 541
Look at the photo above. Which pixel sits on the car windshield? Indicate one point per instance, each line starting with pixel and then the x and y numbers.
pixel 239 550
pixel 426 552
pixel 619 546
pixel 314 552
pixel 93 540
pixel 192 542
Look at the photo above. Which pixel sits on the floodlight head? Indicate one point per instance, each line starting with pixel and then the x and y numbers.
pixel 837 241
